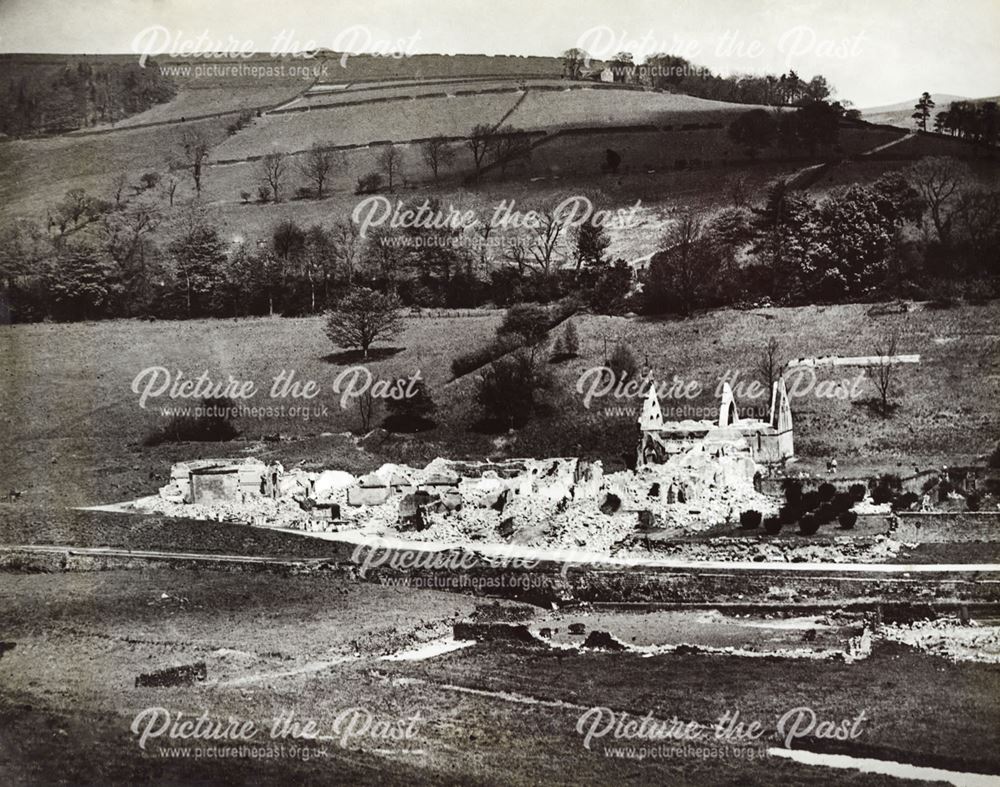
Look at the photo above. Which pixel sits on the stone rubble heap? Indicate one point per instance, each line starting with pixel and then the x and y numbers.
pixel 556 503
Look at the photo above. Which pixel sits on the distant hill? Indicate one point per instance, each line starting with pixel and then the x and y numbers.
pixel 900 114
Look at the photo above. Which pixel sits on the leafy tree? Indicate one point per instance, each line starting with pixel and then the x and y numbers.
pixel 922 111
pixel 364 317
pixel 754 130
pixel 510 389
pixel 568 344
pixel 622 67
pixel 528 320
pixel 84 283
pixel 591 241
pixel 574 61
pixel 199 259
pixel 813 125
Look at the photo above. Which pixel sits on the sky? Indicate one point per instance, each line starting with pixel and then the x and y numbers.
pixel 873 52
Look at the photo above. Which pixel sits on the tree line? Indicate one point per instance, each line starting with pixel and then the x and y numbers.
pixel 45 100
pixel 676 74
pixel 928 232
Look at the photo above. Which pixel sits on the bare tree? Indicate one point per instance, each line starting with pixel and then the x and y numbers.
pixel 195 147
pixel 367 407
pixel 544 240
pixel 317 166
pixel 510 144
pixel 769 363
pixel 479 142
pixel 390 160
pixel 118 185
pixel 170 184
pixel 345 239
pixel 272 172
pixel 884 369
pixel 516 251
pixel 437 152
pixel 939 181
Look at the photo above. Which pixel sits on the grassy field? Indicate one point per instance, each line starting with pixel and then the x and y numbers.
pixel 375 91
pixel 369 123
pixel 271 647
pixel 72 427
pixel 38 172
pixel 615 108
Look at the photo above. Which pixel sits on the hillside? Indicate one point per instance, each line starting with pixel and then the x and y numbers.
pixel 358 105
pixel 900 114
pixel 946 411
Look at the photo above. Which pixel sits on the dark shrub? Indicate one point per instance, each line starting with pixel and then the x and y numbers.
pixel 825 514
pixel 410 413
pixel 973 501
pixel 945 488
pixel 826 492
pixel 623 364
pixel 886 488
pixel 905 502
pixel 810 501
pixel 842 502
pixel 858 492
pixel 528 320
pixel 930 483
pixel 994 460
pixel 848 519
pixel 369 184
pixel 750 520
pixel 789 514
pixel 210 422
pixel 808 525
pixel 772 525
pixel 511 389
pixel 793 491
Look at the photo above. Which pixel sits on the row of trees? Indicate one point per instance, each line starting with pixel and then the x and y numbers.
pixel 678 75
pixel 487 146
pixel 40 99
pixel 99 258
pixel 896 236
pixel 978 123
pixel 813 125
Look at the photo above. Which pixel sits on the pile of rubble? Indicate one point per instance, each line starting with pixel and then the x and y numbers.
pixel 949 638
pixel 534 502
